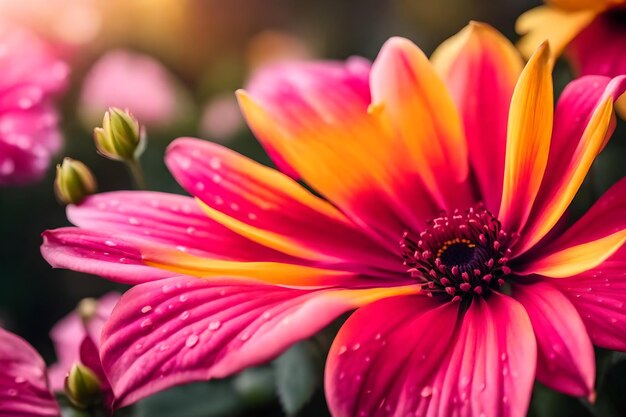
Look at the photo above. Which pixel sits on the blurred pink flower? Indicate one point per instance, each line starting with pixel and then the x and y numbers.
pixel 77 339
pixel 441 182
pixel 133 81
pixel 24 389
pixel 29 133
pixel 221 119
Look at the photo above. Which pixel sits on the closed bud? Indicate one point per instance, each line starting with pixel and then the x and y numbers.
pixel 73 182
pixel 121 137
pixel 83 387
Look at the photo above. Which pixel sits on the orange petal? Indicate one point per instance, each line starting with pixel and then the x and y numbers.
pixel 480 68
pixel 412 100
pixel 572 177
pixel 342 152
pixel 577 259
pixel 558 26
pixel 528 140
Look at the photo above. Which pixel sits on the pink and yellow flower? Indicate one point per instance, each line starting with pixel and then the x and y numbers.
pixel 592 33
pixel 29 134
pixel 24 390
pixel 441 182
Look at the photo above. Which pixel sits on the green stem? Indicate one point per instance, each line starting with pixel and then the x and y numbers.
pixel 137 173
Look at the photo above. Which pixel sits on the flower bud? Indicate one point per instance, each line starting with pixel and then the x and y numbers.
pixel 83 387
pixel 121 137
pixel 87 309
pixel 73 182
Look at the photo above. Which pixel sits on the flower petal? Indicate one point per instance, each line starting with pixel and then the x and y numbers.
pixel 24 390
pixel 132 262
pixel 413 356
pixel 271 209
pixel 69 334
pixel 528 140
pixel 599 49
pixel 583 123
pixel 315 115
pixel 556 25
pixel 183 329
pixel 599 295
pixel 168 219
pixel 565 357
pixel 586 244
pixel 480 68
pixel 411 98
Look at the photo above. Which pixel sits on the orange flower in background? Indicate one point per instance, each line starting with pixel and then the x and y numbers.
pixel 592 33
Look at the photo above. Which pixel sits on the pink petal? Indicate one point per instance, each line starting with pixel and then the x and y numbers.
pixel 69 334
pixel 132 261
pixel 24 390
pixel 599 48
pixel 586 244
pixel 169 219
pixel 572 150
pixel 184 329
pixel 97 253
pixel 481 67
pixel 270 208
pixel 565 359
pixel 409 356
pixel 599 295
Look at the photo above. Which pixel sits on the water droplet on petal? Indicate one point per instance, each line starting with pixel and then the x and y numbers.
pixel 184 315
pixel 146 323
pixel 110 243
pixel 146 309
pixel 20 380
pixel 12 392
pixel 192 341
pixel 427 391
pixel 214 325
pixel 183 298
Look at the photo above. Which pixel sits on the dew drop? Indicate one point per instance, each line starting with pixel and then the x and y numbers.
pixel 184 315
pixel 183 298
pixel 191 230
pixel 12 393
pixel 146 323
pixel 20 379
pixel 146 309
pixel 110 243
pixel 343 350
pixel 427 391
pixel 356 346
pixel 245 336
pixel 192 341
pixel 214 325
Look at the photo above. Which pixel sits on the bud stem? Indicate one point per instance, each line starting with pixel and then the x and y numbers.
pixel 137 173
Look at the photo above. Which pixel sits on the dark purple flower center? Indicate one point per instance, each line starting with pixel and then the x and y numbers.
pixel 459 255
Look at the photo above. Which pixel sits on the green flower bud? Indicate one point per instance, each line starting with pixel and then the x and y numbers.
pixel 73 182
pixel 83 387
pixel 121 137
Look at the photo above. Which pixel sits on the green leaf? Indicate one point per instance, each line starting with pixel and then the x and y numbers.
pixel 298 376
pixel 207 399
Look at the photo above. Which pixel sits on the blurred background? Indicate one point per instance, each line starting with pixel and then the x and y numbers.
pixel 176 65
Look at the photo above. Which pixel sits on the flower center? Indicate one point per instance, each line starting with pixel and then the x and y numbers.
pixel 461 255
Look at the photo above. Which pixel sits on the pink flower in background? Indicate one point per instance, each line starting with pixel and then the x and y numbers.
pixel 24 390
pixel 592 33
pixel 134 81
pixel 76 340
pixel 29 132
pixel 441 183
pixel 221 119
